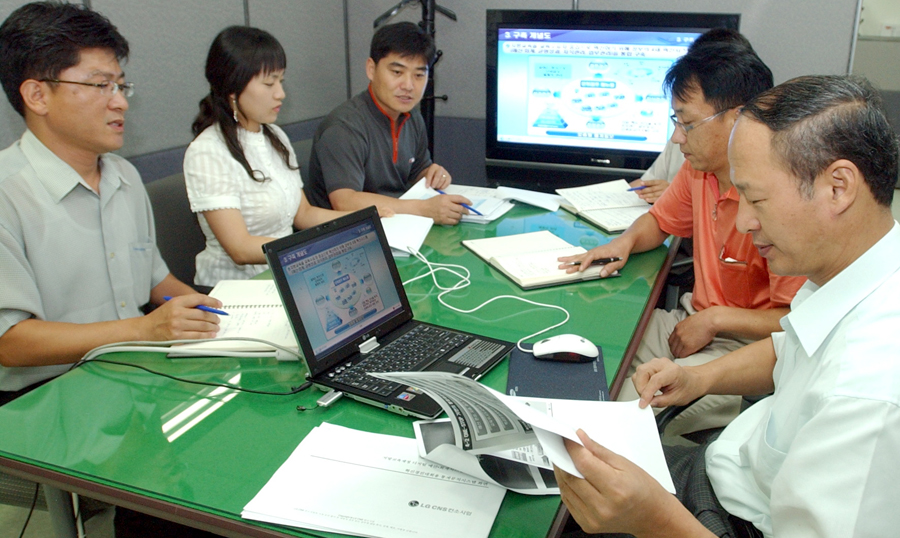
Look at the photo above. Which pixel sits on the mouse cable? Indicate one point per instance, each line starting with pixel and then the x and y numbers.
pixel 465 281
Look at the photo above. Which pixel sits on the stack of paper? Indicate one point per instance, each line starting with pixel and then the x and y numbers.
pixel 369 484
pixel 550 202
pixel 491 203
pixel 609 205
pixel 489 207
pixel 406 233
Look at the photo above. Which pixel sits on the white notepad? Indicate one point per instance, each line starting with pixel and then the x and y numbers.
pixel 530 259
pixel 254 311
pixel 406 233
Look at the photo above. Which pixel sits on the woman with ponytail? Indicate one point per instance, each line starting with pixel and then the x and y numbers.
pixel 241 173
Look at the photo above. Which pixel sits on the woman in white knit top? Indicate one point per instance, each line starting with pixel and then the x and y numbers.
pixel 241 173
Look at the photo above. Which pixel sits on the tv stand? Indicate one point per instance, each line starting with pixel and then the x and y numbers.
pixel 547 178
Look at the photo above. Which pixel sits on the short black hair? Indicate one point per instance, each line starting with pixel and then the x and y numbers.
pixel 41 39
pixel 403 38
pixel 817 120
pixel 728 74
pixel 721 35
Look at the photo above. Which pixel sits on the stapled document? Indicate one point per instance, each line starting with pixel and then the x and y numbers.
pixel 370 484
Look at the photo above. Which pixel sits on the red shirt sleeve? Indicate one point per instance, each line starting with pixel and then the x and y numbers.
pixel 674 209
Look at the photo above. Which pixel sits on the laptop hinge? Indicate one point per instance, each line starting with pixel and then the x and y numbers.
pixel 369 345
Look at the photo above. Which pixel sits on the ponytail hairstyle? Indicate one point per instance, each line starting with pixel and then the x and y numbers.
pixel 236 55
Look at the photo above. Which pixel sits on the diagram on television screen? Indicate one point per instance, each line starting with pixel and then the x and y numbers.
pixel 591 97
pixel 344 292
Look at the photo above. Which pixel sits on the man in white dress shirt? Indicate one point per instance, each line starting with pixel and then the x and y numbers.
pixel 77 242
pixel 815 162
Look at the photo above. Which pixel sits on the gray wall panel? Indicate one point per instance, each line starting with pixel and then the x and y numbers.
pixel 169 42
pixel 312 34
pixel 11 124
pixel 877 59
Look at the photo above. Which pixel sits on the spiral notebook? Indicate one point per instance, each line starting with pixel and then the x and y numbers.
pixel 254 311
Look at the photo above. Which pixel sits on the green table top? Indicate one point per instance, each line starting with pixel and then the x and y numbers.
pixel 147 440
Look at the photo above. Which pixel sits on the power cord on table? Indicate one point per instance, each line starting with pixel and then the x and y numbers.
pixel 465 281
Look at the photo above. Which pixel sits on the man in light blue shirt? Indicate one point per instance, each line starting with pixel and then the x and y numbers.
pixel 815 162
pixel 77 242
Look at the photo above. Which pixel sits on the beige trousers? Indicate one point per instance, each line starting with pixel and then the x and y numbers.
pixel 711 411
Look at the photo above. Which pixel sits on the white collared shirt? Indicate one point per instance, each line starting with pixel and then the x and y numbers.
pixel 819 458
pixel 216 180
pixel 67 253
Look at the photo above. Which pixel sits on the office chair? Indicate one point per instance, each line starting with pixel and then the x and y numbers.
pixel 178 234
pixel 302 149
pixel 680 279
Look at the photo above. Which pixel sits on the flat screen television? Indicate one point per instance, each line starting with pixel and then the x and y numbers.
pixel 571 93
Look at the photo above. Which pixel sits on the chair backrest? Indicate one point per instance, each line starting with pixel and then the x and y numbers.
pixel 178 233
pixel 302 149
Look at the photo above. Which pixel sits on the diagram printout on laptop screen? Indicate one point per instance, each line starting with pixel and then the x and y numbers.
pixel 341 285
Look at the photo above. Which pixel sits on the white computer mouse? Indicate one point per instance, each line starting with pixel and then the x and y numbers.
pixel 565 348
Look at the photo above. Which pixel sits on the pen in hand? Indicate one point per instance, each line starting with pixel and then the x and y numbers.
pixel 642 187
pixel 600 261
pixel 204 308
pixel 470 208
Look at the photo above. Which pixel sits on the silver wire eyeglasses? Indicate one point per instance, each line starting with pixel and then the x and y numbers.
pixel 107 87
pixel 694 125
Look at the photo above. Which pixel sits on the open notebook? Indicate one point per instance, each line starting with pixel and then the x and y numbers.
pixel 530 259
pixel 254 311
pixel 609 205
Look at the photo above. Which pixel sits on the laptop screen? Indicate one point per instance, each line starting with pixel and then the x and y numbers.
pixel 341 285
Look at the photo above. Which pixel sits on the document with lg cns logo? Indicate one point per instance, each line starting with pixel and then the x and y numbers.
pixel 353 482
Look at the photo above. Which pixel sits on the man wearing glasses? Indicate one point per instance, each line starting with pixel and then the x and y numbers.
pixel 77 241
pixel 736 299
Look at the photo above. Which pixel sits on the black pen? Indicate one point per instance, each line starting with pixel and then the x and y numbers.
pixel 600 261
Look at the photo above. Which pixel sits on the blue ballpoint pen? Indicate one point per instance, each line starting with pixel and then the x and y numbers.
pixel 637 188
pixel 470 208
pixel 205 308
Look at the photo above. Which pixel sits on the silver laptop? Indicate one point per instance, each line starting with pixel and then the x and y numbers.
pixel 350 313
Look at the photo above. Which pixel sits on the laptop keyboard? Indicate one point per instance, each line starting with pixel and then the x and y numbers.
pixel 413 351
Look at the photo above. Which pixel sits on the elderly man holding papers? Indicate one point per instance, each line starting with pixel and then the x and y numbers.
pixel 815 162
